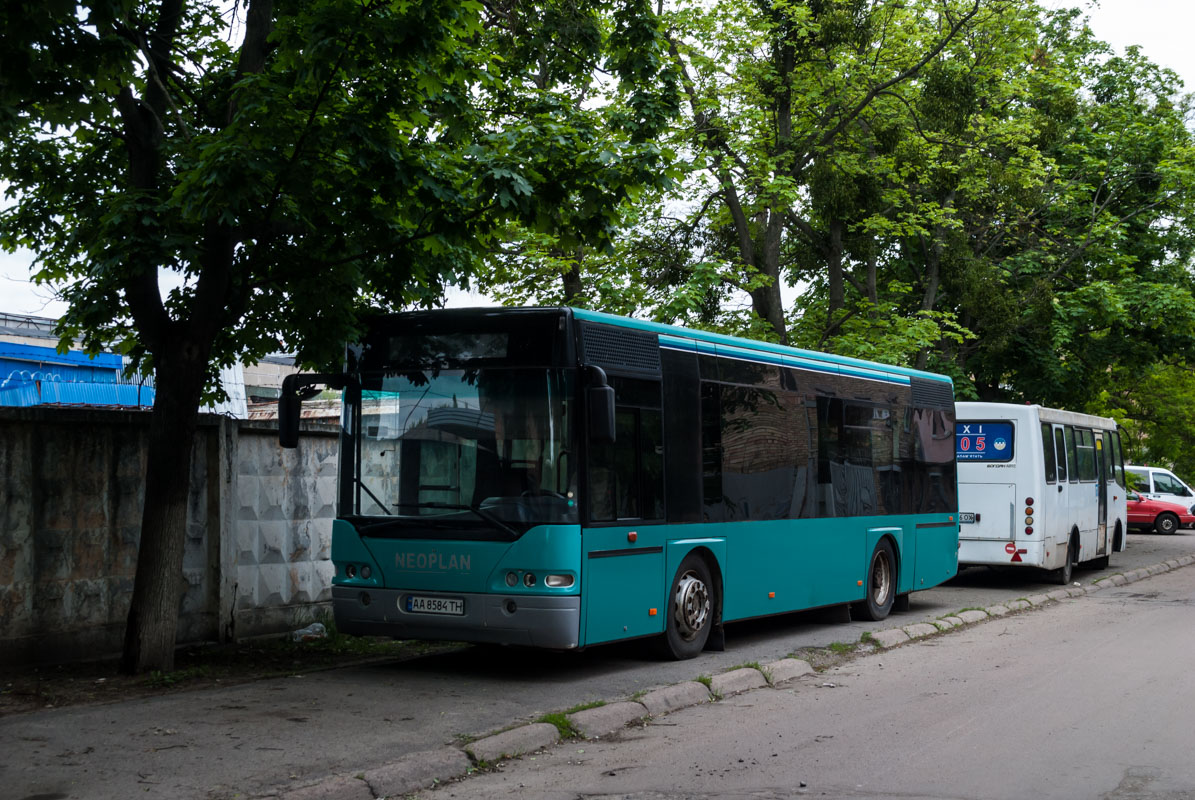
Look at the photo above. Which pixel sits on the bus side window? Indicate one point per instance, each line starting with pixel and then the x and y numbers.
pixel 1072 455
pixel 1109 470
pixel 1047 450
pixel 1117 462
pixel 1060 450
pixel 1085 449
pixel 626 477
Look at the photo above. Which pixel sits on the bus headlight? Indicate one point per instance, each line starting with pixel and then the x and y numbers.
pixel 529 579
pixel 558 581
pixel 512 578
pixel 366 572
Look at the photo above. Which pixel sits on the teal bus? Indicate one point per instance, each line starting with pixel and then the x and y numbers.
pixel 560 478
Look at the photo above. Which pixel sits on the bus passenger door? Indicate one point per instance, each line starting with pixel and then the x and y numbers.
pixel 1101 480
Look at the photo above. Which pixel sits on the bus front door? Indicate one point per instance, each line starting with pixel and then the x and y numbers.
pixel 1060 517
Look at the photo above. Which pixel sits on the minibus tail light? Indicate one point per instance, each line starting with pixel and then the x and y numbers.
pixel 1028 501
pixel 1028 530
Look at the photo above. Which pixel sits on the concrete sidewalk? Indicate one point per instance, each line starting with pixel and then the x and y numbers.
pixel 380 730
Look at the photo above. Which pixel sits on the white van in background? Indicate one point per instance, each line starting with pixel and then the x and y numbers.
pixel 1159 484
pixel 1038 487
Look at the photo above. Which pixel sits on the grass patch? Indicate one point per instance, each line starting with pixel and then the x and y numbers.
pixel 867 638
pixel 705 680
pixel 161 680
pixel 841 648
pixel 586 706
pixel 564 725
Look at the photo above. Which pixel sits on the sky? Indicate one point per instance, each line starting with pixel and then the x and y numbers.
pixel 1161 27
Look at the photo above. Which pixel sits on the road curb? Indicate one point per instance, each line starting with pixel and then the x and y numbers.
pixel 514 742
pixel 894 637
pixel 417 771
pixel 593 723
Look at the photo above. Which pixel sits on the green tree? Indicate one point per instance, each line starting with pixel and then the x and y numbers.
pixel 1080 266
pixel 1026 186
pixel 289 164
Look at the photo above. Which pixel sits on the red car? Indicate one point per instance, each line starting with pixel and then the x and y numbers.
pixel 1159 515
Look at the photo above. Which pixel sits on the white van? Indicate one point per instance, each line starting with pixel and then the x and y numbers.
pixel 1038 487
pixel 1159 484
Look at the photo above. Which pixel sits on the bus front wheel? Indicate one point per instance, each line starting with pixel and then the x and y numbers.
pixel 881 582
pixel 691 605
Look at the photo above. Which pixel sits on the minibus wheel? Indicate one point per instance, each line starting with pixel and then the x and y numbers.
pixel 1062 575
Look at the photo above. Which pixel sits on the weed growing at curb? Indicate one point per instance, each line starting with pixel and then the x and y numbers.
pixel 705 680
pixel 564 726
pixel 161 680
pixel 585 706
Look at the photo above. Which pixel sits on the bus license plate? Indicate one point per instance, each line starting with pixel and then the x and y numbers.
pixel 435 605
pixel 966 516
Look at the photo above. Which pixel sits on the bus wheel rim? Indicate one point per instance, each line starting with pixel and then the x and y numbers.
pixel 881 579
pixel 692 605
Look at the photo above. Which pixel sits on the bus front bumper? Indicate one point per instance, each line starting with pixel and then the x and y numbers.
pixel 549 622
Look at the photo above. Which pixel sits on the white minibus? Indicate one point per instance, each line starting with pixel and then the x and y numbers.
pixel 1038 487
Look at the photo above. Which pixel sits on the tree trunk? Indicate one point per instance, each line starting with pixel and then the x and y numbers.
pixel 834 278
pixel 767 300
pixel 933 277
pixel 873 289
pixel 158 587
pixel 574 288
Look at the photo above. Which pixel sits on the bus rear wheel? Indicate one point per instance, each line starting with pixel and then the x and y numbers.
pixel 1062 575
pixel 881 583
pixel 691 605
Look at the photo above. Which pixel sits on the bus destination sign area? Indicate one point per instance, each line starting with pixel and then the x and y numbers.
pixel 983 441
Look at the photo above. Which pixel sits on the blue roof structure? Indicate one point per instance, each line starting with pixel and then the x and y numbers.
pixel 31 375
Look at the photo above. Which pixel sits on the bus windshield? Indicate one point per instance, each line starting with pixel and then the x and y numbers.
pixel 483 447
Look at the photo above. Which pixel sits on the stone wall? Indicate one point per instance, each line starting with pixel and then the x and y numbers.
pixel 71 493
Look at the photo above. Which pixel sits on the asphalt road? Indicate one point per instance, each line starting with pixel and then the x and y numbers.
pixel 1090 698
pixel 246 739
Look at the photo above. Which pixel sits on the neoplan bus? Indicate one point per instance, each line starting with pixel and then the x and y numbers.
pixel 562 478
pixel 1039 487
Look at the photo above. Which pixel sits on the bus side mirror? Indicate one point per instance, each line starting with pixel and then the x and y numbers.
pixel 295 388
pixel 601 413
pixel 289 404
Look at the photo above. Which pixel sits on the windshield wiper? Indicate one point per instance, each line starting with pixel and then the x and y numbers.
pixel 488 516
